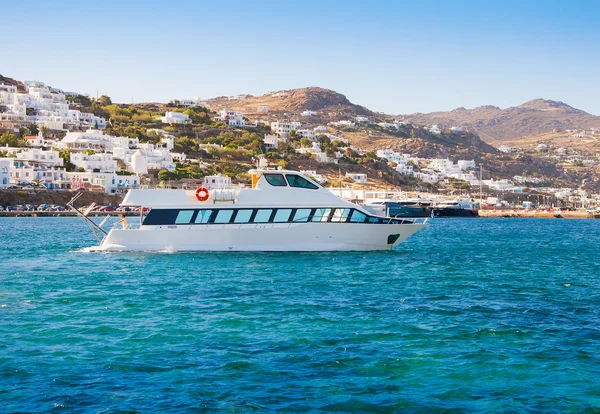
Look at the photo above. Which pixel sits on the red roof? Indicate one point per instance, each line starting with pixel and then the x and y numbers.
pixel 31 137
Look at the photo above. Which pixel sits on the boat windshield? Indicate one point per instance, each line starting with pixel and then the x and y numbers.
pixel 301 182
pixel 276 180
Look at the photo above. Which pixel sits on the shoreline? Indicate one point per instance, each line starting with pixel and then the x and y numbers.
pixel 545 214
pixel 65 213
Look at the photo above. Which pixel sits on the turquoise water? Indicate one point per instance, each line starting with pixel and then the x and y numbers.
pixel 468 315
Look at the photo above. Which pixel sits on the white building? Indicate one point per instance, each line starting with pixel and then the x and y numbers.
pixel 231 118
pixel 46 157
pixel 284 128
pixel 307 133
pixel 5 164
pixel 502 185
pixel 361 119
pixel 110 183
pixel 263 108
pixel 359 178
pixel 91 139
pixel 103 162
pixel 466 164
pixel 175 118
pixel 345 123
pixel 320 128
pixel 212 182
pixel 271 141
pixel 50 107
pixel 505 148
pixel 308 113
pixel 429 176
pixel 405 169
pixel 35 140
pixel 435 130
pixel 183 102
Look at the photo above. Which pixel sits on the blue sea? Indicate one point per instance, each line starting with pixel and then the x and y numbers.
pixel 468 315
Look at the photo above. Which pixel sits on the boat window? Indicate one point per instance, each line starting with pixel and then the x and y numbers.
pixel 302 214
pixel 223 216
pixel 157 217
pixel 357 217
pixel 243 216
pixel 184 217
pixel 321 214
pixel 340 215
pixel 203 216
pixel 282 215
pixel 275 179
pixel 372 220
pixel 263 216
pixel 301 182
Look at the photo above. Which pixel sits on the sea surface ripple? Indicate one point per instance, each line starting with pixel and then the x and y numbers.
pixel 472 315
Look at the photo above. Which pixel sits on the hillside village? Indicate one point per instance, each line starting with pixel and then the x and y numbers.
pixel 56 140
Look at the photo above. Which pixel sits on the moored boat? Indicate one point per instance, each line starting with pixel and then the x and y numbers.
pixel 456 208
pixel 283 211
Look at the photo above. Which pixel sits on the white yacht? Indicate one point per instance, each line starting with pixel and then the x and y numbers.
pixel 283 211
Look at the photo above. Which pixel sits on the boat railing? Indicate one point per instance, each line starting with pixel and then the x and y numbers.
pixel 410 220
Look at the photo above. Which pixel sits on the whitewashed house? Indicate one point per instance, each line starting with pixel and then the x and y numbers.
pixel 284 128
pixel 5 164
pixel 211 182
pixel 307 133
pixel 308 113
pixel 111 183
pixel 271 141
pixel 175 118
pixel 46 157
pixel 103 162
pixel 359 178
pixel 231 118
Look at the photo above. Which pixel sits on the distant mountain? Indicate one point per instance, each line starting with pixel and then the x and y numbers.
pixel 538 116
pixel 293 101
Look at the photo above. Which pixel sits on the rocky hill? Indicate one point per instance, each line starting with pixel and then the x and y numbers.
pixel 538 116
pixel 10 81
pixel 329 103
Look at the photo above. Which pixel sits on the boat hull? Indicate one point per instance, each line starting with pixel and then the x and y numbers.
pixel 408 210
pixel 260 237
pixel 454 212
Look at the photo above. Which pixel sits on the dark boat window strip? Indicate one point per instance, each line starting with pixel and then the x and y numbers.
pixel 160 217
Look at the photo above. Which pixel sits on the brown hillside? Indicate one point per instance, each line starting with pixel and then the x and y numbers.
pixel 292 101
pixel 496 125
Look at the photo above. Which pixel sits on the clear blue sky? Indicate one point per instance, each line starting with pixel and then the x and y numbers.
pixel 391 56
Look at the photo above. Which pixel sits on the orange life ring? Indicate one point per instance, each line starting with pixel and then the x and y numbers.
pixel 202 194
